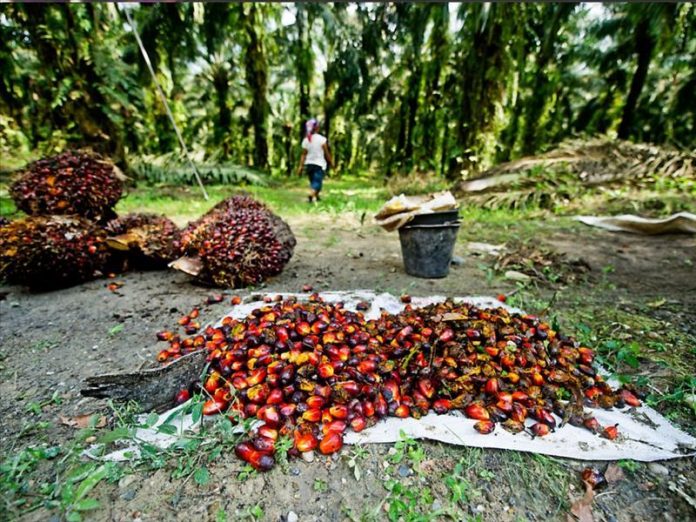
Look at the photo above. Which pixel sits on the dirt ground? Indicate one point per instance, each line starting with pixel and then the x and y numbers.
pixel 51 341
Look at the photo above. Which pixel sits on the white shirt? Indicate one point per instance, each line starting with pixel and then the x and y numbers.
pixel 315 150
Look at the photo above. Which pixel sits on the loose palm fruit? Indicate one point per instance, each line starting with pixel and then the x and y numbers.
pixel 512 426
pixel 212 406
pixel 629 398
pixel 484 427
pixel 441 406
pixel 594 478
pixel 477 411
pixel 540 429
pixel 592 424
pixel 610 432
pixel 305 441
pixel 331 443
pixel 182 396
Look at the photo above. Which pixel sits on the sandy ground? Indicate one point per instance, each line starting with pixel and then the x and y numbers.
pixel 51 341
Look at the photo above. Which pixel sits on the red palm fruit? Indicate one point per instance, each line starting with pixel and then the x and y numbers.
pixel 446 336
pixel 235 300
pixel 505 397
pixel 275 396
pixel 537 379
pixel 213 382
pixel 303 328
pixel 592 424
pixel 339 411
pixel 323 390
pixel 182 396
pixel 326 416
pixel 519 412
pixel 425 386
pixel 287 410
pixel 337 426
pixel 426 333
pixel 258 393
pixel 540 429
pixel 629 398
pixel 222 394
pixel 492 351
pixel 519 396
pixel 391 391
pixel 485 427
pixel 593 393
pixel 251 409
pixel 193 314
pixel 358 423
pixel 325 370
pixel 312 415
pixel 315 401
pixel 244 451
pixel 256 376
pixel 504 406
pixel 240 383
pixel 477 411
pixel 491 387
pixel 512 426
pixel 544 416
pixel 405 298
pixel 184 320
pixel 507 360
pixel 305 441
pixel 261 461
pixel 264 445
pixel 270 415
pixel 381 406
pixel 441 406
pixel 594 478
pixel 610 432
pixel 163 356
pixel 268 432
pixel 586 355
pixel 164 336
pixel 367 366
pixel 212 407
pixel 402 411
pixel 331 443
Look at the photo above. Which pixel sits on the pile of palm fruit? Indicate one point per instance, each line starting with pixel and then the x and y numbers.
pixel 312 370
pixel 72 226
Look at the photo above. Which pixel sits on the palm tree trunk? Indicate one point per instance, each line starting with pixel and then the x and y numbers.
pixel 644 48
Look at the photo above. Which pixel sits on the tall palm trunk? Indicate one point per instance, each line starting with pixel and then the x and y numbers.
pixel 644 48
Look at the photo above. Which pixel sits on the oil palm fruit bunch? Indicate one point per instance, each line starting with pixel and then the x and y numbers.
pixel 73 182
pixel 147 240
pixel 51 251
pixel 238 243
pixel 312 370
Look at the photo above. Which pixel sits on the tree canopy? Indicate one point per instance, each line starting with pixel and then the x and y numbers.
pixel 447 88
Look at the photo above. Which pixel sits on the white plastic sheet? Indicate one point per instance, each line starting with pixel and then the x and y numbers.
pixel 645 435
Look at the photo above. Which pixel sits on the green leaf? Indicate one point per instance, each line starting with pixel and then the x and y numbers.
pixel 151 420
pixel 201 476
pixel 197 413
pixel 167 429
pixel 86 504
pixel 90 482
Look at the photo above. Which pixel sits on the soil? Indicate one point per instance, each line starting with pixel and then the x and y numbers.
pixel 51 341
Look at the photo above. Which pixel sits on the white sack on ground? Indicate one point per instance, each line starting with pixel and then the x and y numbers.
pixel 401 209
pixel 645 435
pixel 681 222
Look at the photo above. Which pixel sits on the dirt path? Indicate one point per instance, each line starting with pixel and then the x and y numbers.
pixel 49 342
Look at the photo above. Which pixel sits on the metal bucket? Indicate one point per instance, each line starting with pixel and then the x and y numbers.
pixel 427 249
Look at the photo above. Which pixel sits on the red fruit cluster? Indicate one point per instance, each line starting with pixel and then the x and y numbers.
pixel 51 251
pixel 148 239
pixel 312 370
pixel 240 242
pixel 74 182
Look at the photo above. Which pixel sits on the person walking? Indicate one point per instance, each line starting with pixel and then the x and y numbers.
pixel 315 158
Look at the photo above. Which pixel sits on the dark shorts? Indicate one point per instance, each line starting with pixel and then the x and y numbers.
pixel 316 176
